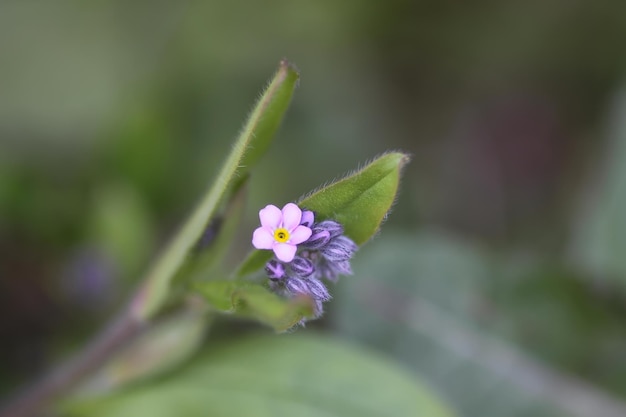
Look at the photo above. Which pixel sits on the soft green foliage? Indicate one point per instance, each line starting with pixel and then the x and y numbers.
pixel 122 226
pixel 360 202
pixel 292 375
pixel 253 140
pixel 459 315
pixel 252 300
pixel 600 233
pixel 255 261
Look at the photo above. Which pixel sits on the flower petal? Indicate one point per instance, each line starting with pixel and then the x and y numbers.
pixel 284 251
pixel 299 235
pixel 308 218
pixel 262 239
pixel 270 217
pixel 291 216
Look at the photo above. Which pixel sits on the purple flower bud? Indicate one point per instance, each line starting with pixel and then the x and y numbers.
pixel 318 290
pixel 308 217
pixel 302 267
pixel 342 267
pixel 297 286
pixel 337 251
pixel 318 239
pixel 325 271
pixel 275 270
pixel 347 242
pixel 334 228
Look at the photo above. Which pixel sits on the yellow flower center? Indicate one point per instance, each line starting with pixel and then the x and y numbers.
pixel 281 235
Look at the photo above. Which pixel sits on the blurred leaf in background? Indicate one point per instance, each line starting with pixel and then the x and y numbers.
pixel 277 376
pixel 445 308
pixel 600 229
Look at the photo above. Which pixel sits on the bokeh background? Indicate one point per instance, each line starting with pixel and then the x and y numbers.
pixel 499 277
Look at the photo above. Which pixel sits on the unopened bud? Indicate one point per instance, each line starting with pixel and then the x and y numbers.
pixel 318 239
pixel 347 242
pixel 318 290
pixel 337 251
pixel 275 270
pixel 342 267
pixel 302 267
pixel 334 228
pixel 297 286
pixel 326 271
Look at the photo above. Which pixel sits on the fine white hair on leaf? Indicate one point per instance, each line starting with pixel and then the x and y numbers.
pixel 362 166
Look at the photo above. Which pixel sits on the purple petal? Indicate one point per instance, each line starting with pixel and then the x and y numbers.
pixel 270 217
pixel 291 216
pixel 308 218
pixel 299 235
pixel 284 251
pixel 262 239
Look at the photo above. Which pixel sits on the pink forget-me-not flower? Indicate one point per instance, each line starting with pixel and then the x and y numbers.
pixel 281 231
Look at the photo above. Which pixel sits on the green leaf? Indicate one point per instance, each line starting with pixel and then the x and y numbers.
pixel 445 307
pixel 253 262
pixel 360 202
pixel 286 376
pixel 254 301
pixel 253 140
pixel 599 241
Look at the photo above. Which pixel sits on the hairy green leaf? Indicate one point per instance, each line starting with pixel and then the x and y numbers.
pixel 254 301
pixel 361 200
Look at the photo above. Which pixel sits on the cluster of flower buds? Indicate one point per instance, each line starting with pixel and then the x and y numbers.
pixel 324 254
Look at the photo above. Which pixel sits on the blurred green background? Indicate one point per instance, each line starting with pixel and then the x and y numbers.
pixel 500 276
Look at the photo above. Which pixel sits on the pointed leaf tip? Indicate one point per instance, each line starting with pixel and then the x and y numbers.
pixel 361 200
